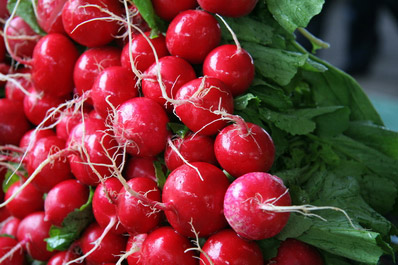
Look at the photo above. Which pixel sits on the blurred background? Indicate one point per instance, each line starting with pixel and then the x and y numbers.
pixel 363 38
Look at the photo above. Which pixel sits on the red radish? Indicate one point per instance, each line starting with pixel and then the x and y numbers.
pixel 192 34
pixel 228 8
pixel 203 98
pixel 193 148
pixel 4 214
pixel 141 125
pixel 109 245
pixel 10 226
pixel 61 258
pixel 140 167
pixel 232 65
pixel 30 138
pixel 293 251
pixel 141 52
pixel 105 202
pixel 56 171
pixel 21 38
pixel 52 71
pixel 167 247
pixel 63 199
pixel 174 72
pixel 133 249
pixel 28 201
pixel 32 231
pixel 67 121
pixel 4 14
pixel 251 205
pixel 226 247
pixel 135 215
pixel 5 69
pixel 6 245
pixel 3 50
pixel 243 147
pixel 13 122
pixel 166 11
pixel 14 91
pixel 197 200
pixel 37 104
pixel 100 148
pixel 48 15
pixel 83 21
pixel 91 63
pixel 112 87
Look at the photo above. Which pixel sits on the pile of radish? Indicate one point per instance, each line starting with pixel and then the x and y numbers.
pixel 120 144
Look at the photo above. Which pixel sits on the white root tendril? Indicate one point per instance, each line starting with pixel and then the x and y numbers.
pixel 197 246
pixel 10 253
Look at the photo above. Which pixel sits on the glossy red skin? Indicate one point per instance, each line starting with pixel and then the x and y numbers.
pixel 142 52
pixel 28 201
pixel 53 173
pixel 63 199
pixel 49 15
pixel 4 14
pixel 37 104
pixel 165 246
pixel 136 217
pixel 196 200
pixel 62 257
pixel 13 92
pixel 115 85
pixel 111 246
pixel 67 121
pixel 192 34
pixel 104 209
pixel 10 226
pixel 141 123
pixel 90 64
pixel 242 201
pixel 33 229
pixel 6 244
pixel 140 167
pixel 198 148
pixel 30 138
pixel 294 252
pixel 94 33
pixel 94 134
pixel 18 28
pixel 5 69
pixel 52 71
pixel 241 150
pixel 135 243
pixel 226 247
pixel 3 50
pixel 195 113
pixel 228 8
pixel 167 11
pixel 235 68
pixel 175 72
pixel 4 214
pixel 13 122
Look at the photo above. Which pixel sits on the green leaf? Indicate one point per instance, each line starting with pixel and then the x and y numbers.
pixel 241 102
pixel 11 178
pixel 60 238
pixel 269 247
pixel 160 175
pixel 295 227
pixel 26 12
pixel 178 128
pixel 333 123
pixel 272 96
pixel 147 12
pixel 292 14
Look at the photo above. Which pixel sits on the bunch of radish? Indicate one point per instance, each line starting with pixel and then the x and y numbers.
pixel 89 117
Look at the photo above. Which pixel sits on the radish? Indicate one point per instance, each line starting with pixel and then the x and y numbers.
pixel 141 126
pixel 228 8
pixel 13 122
pixel 52 71
pixel 63 199
pixel 133 249
pixel 140 167
pixel 243 147
pixel 10 226
pixel 28 201
pixel 104 205
pixel 111 88
pixel 3 49
pixel 48 14
pixel 167 247
pixel 192 34
pixel 232 65
pixel 67 121
pixel 61 258
pixel 90 63
pixel 6 245
pixel 196 200
pixel 293 251
pixel 141 52
pixel 251 205
pixel 166 11
pixel 192 148
pixel 84 21
pixel 30 138
pixel 174 72
pixel 16 89
pixel 226 247
pixel 203 102
pixel 134 214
